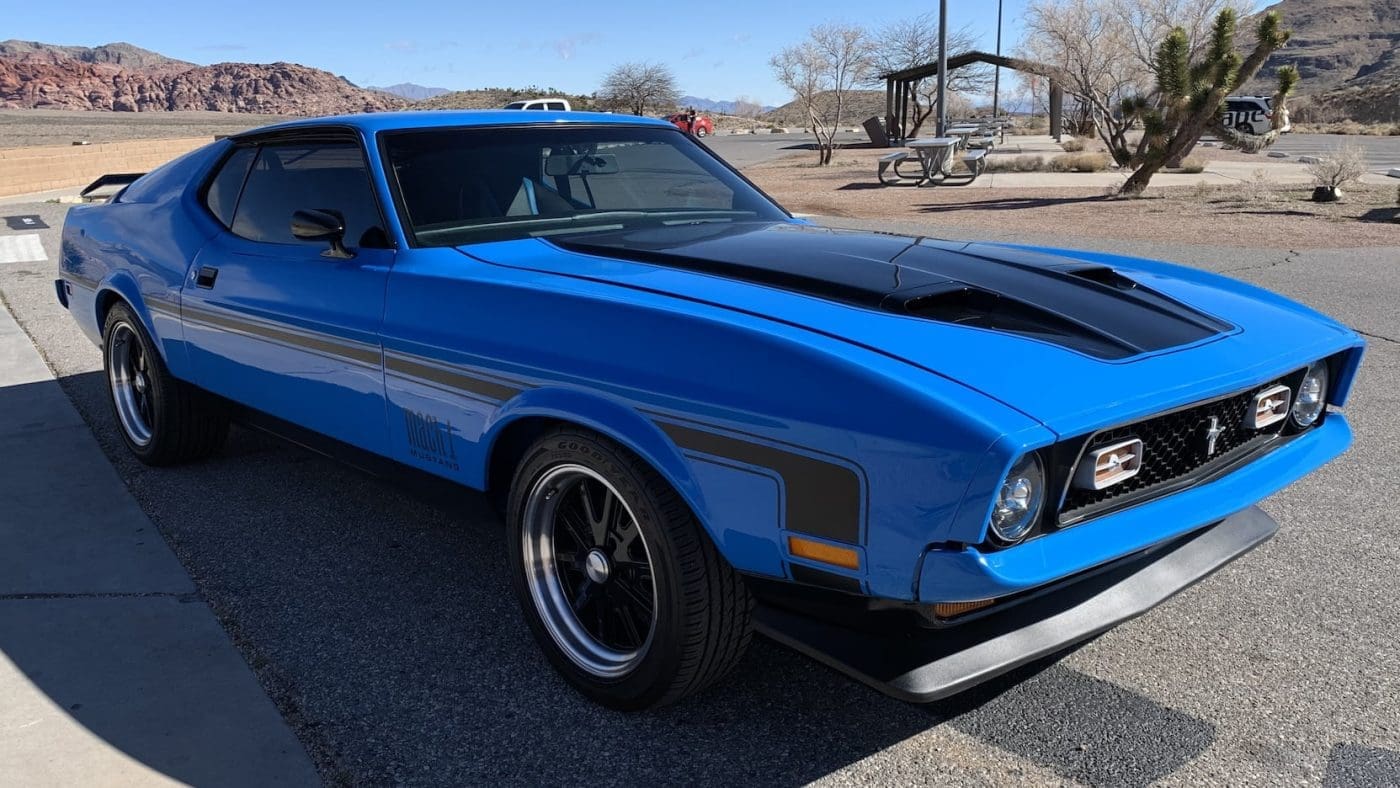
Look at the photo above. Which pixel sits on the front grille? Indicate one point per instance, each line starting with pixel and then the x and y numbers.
pixel 1174 452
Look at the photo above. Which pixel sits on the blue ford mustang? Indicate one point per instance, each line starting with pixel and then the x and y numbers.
pixel 921 462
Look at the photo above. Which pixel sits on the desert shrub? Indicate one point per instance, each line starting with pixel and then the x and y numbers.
pixel 1345 165
pixel 1256 188
pixel 1193 165
pixel 1073 145
pixel 1029 163
pixel 1025 163
pixel 1079 162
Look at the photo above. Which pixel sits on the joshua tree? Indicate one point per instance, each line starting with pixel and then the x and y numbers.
pixel 1191 94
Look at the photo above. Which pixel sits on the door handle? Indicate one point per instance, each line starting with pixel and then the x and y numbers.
pixel 206 276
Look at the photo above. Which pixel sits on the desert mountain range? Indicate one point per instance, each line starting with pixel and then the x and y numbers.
pixel 126 78
pixel 1348 52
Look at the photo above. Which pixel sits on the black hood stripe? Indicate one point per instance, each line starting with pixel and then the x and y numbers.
pixel 1082 306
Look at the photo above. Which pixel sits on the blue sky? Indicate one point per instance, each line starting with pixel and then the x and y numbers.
pixel 718 49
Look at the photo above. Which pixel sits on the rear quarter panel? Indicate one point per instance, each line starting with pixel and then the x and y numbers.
pixel 138 249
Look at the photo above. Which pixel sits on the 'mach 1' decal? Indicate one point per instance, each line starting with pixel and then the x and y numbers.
pixel 429 439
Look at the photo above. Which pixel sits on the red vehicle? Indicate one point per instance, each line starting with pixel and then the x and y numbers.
pixel 704 127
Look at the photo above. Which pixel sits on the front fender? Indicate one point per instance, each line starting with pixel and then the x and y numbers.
pixel 749 549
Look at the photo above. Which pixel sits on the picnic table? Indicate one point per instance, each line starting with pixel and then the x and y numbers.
pixel 934 156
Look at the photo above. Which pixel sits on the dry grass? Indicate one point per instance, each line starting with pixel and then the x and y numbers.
pixel 1073 145
pixel 23 128
pixel 1079 162
pixel 1254 213
pixel 1349 127
pixel 1192 165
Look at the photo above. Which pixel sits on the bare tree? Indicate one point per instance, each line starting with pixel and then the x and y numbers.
pixel 635 87
pixel 1146 23
pixel 1085 46
pixel 1105 51
pixel 913 41
pixel 747 107
pixel 1191 93
pixel 821 72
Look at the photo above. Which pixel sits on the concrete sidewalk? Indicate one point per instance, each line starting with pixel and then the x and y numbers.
pixel 112 670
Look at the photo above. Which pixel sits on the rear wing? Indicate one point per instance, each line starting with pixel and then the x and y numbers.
pixel 107 187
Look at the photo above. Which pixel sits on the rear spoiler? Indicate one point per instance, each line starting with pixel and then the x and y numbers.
pixel 107 187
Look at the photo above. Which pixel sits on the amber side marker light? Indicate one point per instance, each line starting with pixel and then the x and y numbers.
pixel 955 609
pixel 843 557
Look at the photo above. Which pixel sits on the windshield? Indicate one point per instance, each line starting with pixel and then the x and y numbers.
pixel 460 186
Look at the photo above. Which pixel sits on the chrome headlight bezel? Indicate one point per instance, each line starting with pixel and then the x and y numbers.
pixel 1310 402
pixel 1019 501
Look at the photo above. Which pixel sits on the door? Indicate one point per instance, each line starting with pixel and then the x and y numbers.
pixel 287 326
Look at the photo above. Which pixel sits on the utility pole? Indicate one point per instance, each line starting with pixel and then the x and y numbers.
pixel 996 76
pixel 942 68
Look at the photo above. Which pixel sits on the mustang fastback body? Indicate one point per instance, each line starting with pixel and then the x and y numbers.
pixel 1000 449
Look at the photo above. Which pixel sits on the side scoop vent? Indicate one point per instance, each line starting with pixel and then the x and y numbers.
pixel 976 308
pixel 1105 276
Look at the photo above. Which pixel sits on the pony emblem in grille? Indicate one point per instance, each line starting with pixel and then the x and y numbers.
pixel 1177 449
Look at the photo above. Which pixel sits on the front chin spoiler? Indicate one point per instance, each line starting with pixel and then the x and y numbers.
pixel 927 665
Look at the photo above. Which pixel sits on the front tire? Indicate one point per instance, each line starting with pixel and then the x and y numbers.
pixel 620 585
pixel 701 132
pixel 162 420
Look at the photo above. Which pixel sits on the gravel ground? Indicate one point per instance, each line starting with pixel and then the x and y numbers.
pixel 23 128
pixel 383 627
pixel 1250 214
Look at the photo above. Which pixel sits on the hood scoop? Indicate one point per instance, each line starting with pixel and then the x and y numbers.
pixel 964 305
pixel 1090 308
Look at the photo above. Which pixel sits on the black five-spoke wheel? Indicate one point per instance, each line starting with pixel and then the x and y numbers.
pixel 163 420
pixel 590 574
pixel 621 586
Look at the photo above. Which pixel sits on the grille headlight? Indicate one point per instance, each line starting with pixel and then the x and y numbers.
pixel 1312 396
pixel 1018 501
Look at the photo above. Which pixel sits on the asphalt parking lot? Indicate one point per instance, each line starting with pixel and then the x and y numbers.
pixel 383 628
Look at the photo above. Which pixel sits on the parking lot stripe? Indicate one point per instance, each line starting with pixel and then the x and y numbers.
pixel 21 249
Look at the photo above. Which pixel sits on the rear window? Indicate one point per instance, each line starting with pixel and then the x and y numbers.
pixel 222 196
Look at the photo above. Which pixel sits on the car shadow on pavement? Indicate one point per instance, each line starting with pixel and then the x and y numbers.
pixel 384 628
pixel 1008 203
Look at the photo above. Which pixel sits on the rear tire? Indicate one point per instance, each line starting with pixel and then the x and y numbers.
pixel 619 583
pixel 162 420
pixel 701 132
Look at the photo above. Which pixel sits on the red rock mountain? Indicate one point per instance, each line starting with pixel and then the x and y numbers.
pixel 124 78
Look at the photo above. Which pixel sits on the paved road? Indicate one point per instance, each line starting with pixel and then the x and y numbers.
pixel 1382 153
pixel 744 150
pixel 383 626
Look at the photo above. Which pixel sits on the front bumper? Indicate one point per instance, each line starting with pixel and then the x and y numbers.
pixel 966 574
pixel 926 665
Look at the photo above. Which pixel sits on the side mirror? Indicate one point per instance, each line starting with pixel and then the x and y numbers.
pixel 322 224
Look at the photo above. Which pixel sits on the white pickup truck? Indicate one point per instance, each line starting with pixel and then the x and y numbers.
pixel 551 104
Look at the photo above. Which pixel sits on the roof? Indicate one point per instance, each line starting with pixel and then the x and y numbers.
pixel 373 122
pixel 965 59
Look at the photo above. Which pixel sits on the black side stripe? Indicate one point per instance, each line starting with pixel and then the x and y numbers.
pixel 162 307
pixel 822 498
pixel 360 353
pixel 450 378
